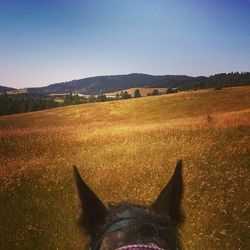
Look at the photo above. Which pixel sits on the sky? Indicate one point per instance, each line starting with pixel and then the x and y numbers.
pixel 49 41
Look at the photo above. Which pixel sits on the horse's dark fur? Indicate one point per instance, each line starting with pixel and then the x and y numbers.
pixel 158 223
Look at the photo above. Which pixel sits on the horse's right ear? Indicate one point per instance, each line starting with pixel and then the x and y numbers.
pixel 93 210
pixel 169 201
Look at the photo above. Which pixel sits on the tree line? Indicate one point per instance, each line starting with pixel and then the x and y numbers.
pixel 19 103
pixel 216 81
pixel 14 104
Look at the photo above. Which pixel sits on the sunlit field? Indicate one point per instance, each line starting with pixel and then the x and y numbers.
pixel 126 151
pixel 143 91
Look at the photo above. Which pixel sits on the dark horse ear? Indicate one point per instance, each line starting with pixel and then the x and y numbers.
pixel 169 201
pixel 93 210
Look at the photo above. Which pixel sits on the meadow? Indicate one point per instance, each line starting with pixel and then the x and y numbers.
pixel 143 91
pixel 127 150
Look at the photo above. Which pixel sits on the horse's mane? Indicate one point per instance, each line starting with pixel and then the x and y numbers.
pixel 150 227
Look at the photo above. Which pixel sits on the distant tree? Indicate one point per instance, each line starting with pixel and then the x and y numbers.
pixel 92 98
pixel 83 99
pixel 137 93
pixel 68 99
pixel 155 92
pixel 101 98
pixel 126 95
pixel 76 99
pixel 170 91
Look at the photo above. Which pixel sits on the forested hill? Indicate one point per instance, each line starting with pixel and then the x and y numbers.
pixel 104 84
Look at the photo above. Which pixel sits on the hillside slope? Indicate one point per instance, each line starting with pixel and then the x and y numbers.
pixel 112 83
pixel 5 89
pixel 127 150
pixel 143 91
pixel 103 84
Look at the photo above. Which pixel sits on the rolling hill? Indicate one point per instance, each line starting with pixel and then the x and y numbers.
pixel 104 84
pixel 113 83
pixel 5 89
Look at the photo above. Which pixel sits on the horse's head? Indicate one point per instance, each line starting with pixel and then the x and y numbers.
pixel 126 226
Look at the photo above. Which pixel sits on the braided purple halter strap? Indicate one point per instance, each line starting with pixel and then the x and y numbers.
pixel 150 246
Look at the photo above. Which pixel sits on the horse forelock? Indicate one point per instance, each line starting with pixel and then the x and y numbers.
pixel 148 228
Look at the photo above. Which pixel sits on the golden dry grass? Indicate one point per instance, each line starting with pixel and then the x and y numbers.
pixel 144 91
pixel 127 150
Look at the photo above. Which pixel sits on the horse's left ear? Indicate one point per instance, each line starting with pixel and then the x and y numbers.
pixel 93 210
pixel 169 201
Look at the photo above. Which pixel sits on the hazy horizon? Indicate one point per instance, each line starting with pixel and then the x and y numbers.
pixel 45 42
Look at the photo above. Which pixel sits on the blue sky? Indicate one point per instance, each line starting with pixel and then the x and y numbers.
pixel 43 42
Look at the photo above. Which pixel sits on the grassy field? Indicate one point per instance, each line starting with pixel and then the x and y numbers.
pixel 127 150
pixel 143 91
